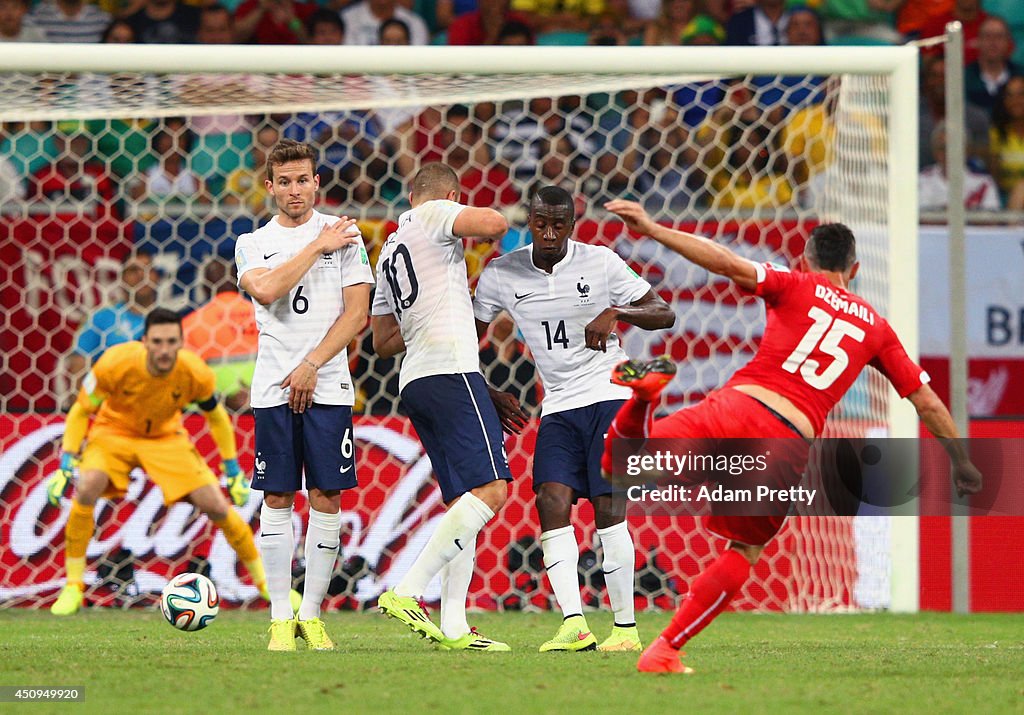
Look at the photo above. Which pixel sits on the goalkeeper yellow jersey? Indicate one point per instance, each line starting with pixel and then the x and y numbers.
pixel 134 403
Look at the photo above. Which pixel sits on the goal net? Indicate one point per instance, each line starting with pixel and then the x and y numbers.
pixel 153 152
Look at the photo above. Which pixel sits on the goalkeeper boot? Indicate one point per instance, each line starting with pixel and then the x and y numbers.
pixel 409 611
pixel 313 631
pixel 474 640
pixel 621 640
pixel 282 634
pixel 646 379
pixel 69 601
pixel 574 635
pixel 661 657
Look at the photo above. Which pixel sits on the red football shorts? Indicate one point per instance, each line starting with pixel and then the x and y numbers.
pixel 730 414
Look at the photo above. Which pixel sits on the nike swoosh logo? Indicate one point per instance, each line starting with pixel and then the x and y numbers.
pixel 277 534
pixel 524 295
pixel 326 548
pixel 344 469
pixel 554 564
pixel 268 256
pixel 459 545
pixel 584 636
pixel 606 573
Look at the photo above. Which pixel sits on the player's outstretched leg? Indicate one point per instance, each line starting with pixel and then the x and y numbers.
pixel 77 534
pixel 709 595
pixel 636 416
pixel 455 579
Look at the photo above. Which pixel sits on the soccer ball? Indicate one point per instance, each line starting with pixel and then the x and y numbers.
pixel 190 602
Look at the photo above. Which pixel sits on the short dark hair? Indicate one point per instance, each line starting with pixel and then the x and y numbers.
pixel 161 316
pixel 831 247
pixel 435 180
pixel 554 196
pixel 289 150
pixel 395 22
pixel 323 16
pixel 514 28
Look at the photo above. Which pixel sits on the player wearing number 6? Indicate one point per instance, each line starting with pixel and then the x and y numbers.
pixel 422 306
pixel 309 277
pixel 818 338
pixel 137 391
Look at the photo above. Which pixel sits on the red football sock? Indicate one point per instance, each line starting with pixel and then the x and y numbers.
pixel 709 594
pixel 634 421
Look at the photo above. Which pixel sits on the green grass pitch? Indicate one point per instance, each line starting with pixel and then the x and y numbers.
pixel 133 662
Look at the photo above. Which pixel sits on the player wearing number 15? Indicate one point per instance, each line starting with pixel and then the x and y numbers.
pixel 818 338
pixel 137 391
pixel 310 279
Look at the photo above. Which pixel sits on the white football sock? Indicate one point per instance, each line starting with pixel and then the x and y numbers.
pixel 454 533
pixel 619 571
pixel 455 578
pixel 322 542
pixel 561 560
pixel 277 547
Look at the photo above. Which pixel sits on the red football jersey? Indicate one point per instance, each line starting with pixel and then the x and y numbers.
pixel 817 340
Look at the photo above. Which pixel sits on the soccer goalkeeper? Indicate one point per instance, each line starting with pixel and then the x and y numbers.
pixel 137 391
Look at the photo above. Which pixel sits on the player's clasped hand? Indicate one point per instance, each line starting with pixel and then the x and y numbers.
pixel 598 329
pixel 238 485
pixel 511 414
pixel 301 383
pixel 59 484
pixel 338 235
pixel 967 479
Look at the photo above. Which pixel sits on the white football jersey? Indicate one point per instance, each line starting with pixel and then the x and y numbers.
pixel 553 309
pixel 293 325
pixel 421 278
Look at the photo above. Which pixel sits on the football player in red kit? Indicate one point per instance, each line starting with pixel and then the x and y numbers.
pixel 818 338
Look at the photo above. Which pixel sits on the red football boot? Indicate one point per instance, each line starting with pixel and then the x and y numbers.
pixel 660 657
pixel 647 379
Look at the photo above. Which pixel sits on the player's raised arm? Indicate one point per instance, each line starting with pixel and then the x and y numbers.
pixel 936 418
pixel 223 433
pixel 705 253
pixel 480 223
pixel 76 425
pixel 267 285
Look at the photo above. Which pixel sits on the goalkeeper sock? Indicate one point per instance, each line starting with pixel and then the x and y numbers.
pixel 634 420
pixel 709 594
pixel 323 539
pixel 277 544
pixel 239 537
pixel 561 561
pixel 619 568
pixel 455 533
pixel 77 534
pixel 455 579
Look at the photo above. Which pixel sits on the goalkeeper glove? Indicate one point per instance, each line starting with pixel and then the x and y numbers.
pixel 238 485
pixel 59 484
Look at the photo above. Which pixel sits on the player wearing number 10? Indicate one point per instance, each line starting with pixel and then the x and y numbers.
pixel 818 338
pixel 310 279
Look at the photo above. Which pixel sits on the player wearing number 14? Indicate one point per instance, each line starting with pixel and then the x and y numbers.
pixel 819 336
pixel 310 279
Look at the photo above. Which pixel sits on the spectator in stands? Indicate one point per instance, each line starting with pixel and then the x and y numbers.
pixel 15 25
pixel 273 22
pixel 932 109
pixel 985 78
pixel 394 32
pixel 70 20
pixel 560 15
pixel 980 190
pixel 165 22
pixel 171 179
pixel 223 332
pixel 673 18
pixel 363 21
pixel 1013 12
pixel 516 34
pixel 119 323
pixel 1008 137
pixel 12 184
pixel 446 11
pixel 245 185
pixel 484 25
pixel 325 27
pixel 484 183
pixel 118 32
pixel 763 23
pixel 607 31
pixel 970 15
pixel 856 22
pixel 75 177
pixel 667 161
pixel 913 15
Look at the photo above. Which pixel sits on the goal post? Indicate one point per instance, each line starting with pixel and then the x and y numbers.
pixel 836 141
